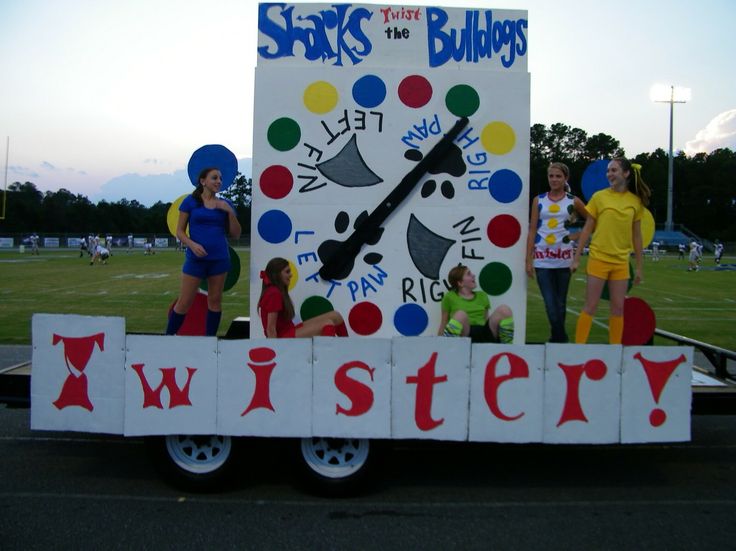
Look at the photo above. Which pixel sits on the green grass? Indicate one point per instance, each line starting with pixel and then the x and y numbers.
pixel 700 305
pixel 138 287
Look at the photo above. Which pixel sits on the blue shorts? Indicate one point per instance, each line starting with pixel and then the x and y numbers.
pixel 203 268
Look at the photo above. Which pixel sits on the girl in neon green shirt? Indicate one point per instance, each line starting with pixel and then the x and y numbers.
pixel 465 311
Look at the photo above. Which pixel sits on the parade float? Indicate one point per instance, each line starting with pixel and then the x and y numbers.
pixel 389 144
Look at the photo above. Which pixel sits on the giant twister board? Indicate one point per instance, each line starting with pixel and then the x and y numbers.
pixel 349 99
pixel 89 376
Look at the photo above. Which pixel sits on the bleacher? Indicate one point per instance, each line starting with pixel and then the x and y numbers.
pixel 671 238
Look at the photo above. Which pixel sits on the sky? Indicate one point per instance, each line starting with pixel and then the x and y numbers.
pixel 110 99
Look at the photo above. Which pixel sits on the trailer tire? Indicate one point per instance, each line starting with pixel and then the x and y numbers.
pixel 196 463
pixel 337 467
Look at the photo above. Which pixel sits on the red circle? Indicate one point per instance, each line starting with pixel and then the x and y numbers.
pixel 276 182
pixel 415 91
pixel 365 318
pixel 595 369
pixel 657 417
pixel 503 230
pixel 261 354
pixel 639 322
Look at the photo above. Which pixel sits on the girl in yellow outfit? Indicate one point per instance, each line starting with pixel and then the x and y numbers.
pixel 614 220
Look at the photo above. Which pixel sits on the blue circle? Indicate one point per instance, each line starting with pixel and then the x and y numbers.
pixel 594 178
pixel 213 156
pixel 274 226
pixel 369 91
pixel 410 320
pixel 505 186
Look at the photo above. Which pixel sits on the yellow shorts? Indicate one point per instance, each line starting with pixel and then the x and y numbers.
pixel 607 270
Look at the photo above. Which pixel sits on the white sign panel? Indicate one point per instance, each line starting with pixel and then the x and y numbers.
pixel 431 381
pixel 265 387
pixel 6 242
pixel 170 385
pixel 352 388
pixel 656 394
pixel 506 393
pixel 582 398
pixel 77 381
pixel 333 140
pixel 346 35
pixel 89 376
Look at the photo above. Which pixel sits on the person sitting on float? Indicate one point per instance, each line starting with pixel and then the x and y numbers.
pixel 467 312
pixel 277 309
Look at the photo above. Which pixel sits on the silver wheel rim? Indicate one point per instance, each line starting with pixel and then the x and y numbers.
pixel 198 454
pixel 335 457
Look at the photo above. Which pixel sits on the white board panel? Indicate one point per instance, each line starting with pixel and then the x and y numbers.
pixel 430 389
pixel 319 164
pixel 77 379
pixel 344 35
pixel 582 398
pixel 656 394
pixel 352 387
pixel 506 393
pixel 170 385
pixel 265 387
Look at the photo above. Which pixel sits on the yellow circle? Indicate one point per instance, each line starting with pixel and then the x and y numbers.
pixel 294 275
pixel 320 97
pixel 498 138
pixel 554 209
pixel 550 239
pixel 552 224
pixel 647 228
pixel 172 216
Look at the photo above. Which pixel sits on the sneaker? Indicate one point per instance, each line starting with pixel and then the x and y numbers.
pixel 453 328
pixel 506 331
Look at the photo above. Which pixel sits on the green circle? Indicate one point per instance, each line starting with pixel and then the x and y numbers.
pixel 495 278
pixel 314 306
pixel 284 134
pixel 462 100
pixel 233 275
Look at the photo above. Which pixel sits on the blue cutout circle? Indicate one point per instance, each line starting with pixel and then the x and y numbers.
pixel 594 178
pixel 505 186
pixel 217 156
pixel 410 320
pixel 274 226
pixel 369 91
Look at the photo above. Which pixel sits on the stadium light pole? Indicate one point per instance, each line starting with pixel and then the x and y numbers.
pixel 662 93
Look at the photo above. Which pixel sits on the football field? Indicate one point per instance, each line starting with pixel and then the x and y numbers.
pixel 699 305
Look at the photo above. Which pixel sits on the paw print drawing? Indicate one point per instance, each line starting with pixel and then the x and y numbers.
pixel 342 222
pixel 452 165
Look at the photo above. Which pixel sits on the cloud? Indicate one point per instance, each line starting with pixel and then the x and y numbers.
pixel 719 133
pixel 147 189
pixel 22 171
pixel 48 166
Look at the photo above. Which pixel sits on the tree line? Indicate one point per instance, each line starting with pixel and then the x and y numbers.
pixel 704 191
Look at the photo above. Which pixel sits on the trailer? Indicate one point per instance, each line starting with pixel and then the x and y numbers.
pixel 336 406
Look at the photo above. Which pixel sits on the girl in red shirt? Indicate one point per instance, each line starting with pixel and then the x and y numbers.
pixel 277 309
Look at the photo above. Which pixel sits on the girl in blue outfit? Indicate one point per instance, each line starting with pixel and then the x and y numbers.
pixel 211 220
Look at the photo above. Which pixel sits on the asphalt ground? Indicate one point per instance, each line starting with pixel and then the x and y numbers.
pixel 85 491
